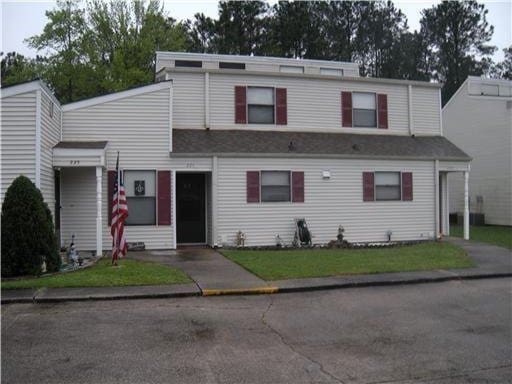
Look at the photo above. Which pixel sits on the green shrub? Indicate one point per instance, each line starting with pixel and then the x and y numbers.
pixel 28 236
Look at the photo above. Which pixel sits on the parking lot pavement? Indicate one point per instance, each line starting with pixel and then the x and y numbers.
pixel 452 332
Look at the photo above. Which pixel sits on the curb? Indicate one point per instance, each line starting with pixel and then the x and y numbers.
pixel 240 291
pixel 364 284
pixel 250 291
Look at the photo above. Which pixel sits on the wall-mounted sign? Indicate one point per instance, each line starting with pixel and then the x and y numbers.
pixel 140 187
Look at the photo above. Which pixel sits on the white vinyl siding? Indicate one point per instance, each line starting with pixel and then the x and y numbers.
pixel 50 136
pixel 481 126
pixel 328 203
pixel 425 111
pixel 188 100
pixel 138 126
pixel 313 105
pixel 18 118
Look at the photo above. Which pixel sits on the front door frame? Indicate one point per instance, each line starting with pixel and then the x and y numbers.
pixel 204 173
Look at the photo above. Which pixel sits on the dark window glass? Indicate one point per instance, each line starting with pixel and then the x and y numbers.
pixel 275 186
pixel 364 117
pixel 226 65
pixel 188 63
pixel 140 188
pixel 141 211
pixel 387 186
pixel 261 114
pixel 260 105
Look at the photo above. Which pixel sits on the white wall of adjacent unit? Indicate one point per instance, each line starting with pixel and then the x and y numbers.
pixel 314 104
pixel 328 203
pixel 18 118
pixel 50 136
pixel 137 126
pixel 482 127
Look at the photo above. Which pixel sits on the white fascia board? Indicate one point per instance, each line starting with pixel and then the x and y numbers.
pixel 117 96
pixel 29 87
pixel 361 79
pixel 165 55
pixel 482 80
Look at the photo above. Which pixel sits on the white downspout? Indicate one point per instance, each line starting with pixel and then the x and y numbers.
pixel 207 100
pixel 99 220
pixel 436 194
pixel 38 140
pixel 466 205
pixel 409 95
pixel 173 202
pixel 215 168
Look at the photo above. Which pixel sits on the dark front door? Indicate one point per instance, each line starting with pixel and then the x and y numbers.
pixel 190 208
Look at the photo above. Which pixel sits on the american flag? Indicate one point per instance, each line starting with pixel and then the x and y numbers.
pixel 119 215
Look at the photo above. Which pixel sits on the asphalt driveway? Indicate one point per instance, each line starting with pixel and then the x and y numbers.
pixel 452 332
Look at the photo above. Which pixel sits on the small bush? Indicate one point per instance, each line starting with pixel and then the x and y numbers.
pixel 28 236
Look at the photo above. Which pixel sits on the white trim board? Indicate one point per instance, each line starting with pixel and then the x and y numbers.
pixel 29 87
pixel 117 96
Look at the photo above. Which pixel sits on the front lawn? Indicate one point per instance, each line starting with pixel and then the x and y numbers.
pixel 291 264
pixel 492 234
pixel 129 272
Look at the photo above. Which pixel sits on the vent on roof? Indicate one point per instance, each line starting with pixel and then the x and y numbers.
pixel 227 65
pixel 188 63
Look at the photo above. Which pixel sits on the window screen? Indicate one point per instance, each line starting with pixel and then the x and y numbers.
pixel 364 112
pixel 331 71
pixel 230 65
pixel 188 63
pixel 387 186
pixel 260 105
pixel 291 69
pixel 275 186
pixel 140 187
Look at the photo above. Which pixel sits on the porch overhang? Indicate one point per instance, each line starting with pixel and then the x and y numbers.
pixel 74 154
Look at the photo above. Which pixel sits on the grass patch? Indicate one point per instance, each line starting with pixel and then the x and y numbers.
pixel 492 234
pixel 291 264
pixel 130 272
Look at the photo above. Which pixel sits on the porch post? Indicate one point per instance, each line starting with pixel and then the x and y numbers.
pixel 466 205
pixel 99 232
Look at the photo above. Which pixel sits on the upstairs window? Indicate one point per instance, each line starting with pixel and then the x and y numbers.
pixel 188 63
pixel 231 65
pixel 331 71
pixel 364 111
pixel 275 186
pixel 387 186
pixel 260 105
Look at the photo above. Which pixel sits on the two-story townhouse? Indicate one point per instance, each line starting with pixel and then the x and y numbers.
pixel 223 144
pixel 478 119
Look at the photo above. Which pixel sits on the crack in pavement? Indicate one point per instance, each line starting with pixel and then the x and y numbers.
pixel 428 378
pixel 291 347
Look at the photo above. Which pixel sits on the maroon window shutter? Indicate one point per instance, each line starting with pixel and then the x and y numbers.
pixel 382 105
pixel 110 192
pixel 253 186
pixel 164 197
pixel 368 186
pixel 407 186
pixel 240 104
pixel 346 109
pixel 281 107
pixel 298 187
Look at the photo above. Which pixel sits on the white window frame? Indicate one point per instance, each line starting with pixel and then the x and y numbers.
pixel 274 104
pixel 290 185
pixel 375 185
pixel 376 110
pixel 155 171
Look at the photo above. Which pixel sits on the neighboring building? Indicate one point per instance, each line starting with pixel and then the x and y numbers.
pixel 478 119
pixel 221 144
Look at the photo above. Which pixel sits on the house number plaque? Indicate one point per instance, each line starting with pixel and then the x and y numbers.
pixel 140 187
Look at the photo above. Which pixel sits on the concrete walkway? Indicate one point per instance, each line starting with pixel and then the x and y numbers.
pixel 210 270
pixel 213 274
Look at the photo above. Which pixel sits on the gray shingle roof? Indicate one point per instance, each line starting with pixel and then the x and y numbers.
pixel 308 144
pixel 82 144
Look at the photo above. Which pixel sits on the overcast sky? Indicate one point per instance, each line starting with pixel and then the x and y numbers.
pixel 21 19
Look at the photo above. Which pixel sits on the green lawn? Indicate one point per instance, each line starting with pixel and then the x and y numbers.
pixel 290 264
pixel 129 272
pixel 492 234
